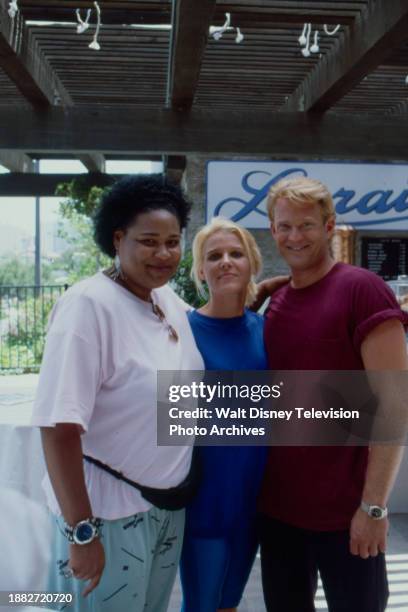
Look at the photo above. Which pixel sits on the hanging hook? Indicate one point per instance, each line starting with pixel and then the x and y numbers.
pixel 332 32
pixel 306 49
pixel 13 9
pixel 217 33
pixel 82 25
pixel 94 44
pixel 302 38
pixel 315 47
pixel 239 37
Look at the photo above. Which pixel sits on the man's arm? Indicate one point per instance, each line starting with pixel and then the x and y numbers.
pixel 383 349
pixel 266 288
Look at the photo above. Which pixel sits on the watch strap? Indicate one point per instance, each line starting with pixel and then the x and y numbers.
pixel 375 512
pixel 70 532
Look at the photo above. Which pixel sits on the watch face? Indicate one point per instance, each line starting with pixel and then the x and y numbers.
pixel 84 532
pixel 376 512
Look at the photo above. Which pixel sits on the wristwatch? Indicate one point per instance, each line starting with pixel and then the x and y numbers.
pixel 375 512
pixel 84 531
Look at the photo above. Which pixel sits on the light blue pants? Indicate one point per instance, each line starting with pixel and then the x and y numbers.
pixel 142 554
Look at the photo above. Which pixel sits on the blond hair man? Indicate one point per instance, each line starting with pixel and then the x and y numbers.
pixel 324 508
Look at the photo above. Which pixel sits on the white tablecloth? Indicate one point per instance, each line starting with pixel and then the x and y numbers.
pixel 25 533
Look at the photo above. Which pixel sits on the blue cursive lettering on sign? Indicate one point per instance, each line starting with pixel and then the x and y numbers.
pixel 378 201
pixel 258 195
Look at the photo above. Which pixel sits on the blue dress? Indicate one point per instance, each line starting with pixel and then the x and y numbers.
pixel 220 539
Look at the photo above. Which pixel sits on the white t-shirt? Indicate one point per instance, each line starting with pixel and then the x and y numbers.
pixel 103 350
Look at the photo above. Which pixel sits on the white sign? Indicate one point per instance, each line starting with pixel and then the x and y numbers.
pixel 366 196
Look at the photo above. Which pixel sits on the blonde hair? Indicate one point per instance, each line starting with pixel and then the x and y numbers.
pixel 219 224
pixel 301 190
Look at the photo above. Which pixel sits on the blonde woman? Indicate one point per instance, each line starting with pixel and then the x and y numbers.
pixel 220 540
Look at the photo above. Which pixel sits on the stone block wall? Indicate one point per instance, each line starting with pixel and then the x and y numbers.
pixel 194 183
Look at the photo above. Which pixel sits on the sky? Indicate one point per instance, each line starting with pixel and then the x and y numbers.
pixel 20 212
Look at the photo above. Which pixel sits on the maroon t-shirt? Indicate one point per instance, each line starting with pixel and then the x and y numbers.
pixel 321 327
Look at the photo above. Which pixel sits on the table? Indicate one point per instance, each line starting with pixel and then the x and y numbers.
pixel 25 529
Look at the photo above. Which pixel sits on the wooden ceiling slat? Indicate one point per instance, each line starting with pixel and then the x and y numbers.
pixel 25 65
pixel 380 29
pixel 105 5
pixel 145 16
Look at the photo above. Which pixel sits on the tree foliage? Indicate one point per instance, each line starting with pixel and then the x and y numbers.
pixel 78 197
pixel 24 314
pixel 82 257
pixel 183 284
pixel 15 270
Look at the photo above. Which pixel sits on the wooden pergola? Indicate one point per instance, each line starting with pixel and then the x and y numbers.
pixel 161 87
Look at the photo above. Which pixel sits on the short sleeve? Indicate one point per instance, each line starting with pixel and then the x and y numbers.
pixel 71 370
pixel 373 303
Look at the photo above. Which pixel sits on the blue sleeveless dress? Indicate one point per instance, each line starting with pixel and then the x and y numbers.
pixel 220 539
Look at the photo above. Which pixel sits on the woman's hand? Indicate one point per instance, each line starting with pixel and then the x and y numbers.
pixel 266 288
pixel 87 563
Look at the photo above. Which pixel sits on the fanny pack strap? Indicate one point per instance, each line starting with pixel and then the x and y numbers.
pixel 113 472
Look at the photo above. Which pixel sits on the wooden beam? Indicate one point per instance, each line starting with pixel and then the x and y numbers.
pixel 93 162
pixel 229 132
pixel 24 63
pixel 16 161
pixel 191 21
pixel 174 166
pixel 372 38
pixel 16 184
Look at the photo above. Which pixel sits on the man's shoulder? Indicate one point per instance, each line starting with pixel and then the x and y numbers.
pixel 355 273
pixel 353 278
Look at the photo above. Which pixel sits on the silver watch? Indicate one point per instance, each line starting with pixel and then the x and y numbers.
pixel 375 512
pixel 84 531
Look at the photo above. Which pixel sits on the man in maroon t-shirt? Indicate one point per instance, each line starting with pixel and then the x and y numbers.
pixel 324 508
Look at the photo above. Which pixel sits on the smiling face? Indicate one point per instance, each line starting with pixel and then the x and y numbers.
pixel 301 235
pixel 225 267
pixel 149 251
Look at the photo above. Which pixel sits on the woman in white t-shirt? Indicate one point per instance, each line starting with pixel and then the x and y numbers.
pixel 108 337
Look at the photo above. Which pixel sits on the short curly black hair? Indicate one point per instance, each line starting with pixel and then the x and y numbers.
pixel 130 196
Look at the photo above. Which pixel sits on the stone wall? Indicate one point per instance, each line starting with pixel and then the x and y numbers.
pixel 194 184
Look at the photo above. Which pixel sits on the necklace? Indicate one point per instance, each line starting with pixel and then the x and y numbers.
pixel 173 335
pixel 156 309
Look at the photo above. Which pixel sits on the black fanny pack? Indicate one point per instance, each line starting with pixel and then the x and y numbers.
pixel 174 498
